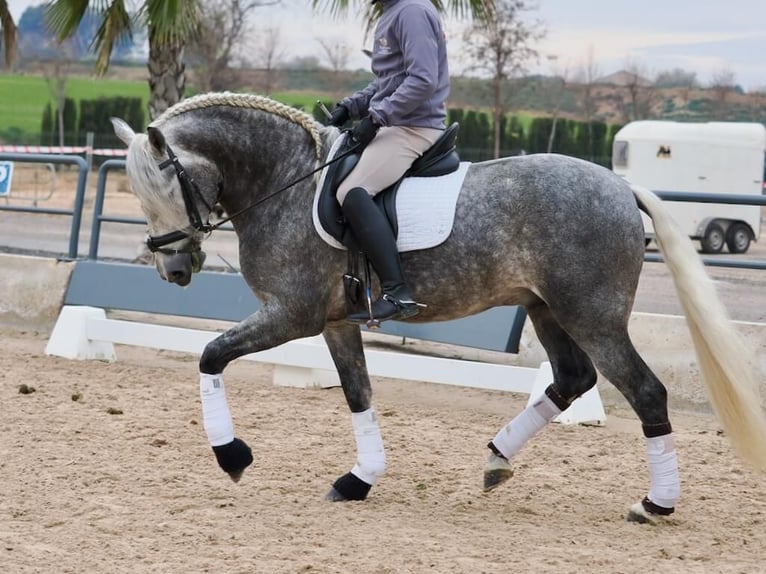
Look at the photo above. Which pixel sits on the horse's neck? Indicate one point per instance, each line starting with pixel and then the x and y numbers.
pixel 255 154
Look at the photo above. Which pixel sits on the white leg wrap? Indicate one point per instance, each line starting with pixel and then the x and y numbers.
pixel 516 433
pixel 663 470
pixel 215 411
pixel 370 454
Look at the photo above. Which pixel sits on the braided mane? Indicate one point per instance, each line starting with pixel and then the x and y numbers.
pixel 251 101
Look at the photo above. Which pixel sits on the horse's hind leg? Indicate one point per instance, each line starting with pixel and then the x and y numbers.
pixel 620 363
pixel 344 341
pixel 573 375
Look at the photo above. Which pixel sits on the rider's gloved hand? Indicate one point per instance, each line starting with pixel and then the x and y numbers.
pixel 339 116
pixel 364 131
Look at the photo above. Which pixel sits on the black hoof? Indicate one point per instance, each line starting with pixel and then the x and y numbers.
pixel 348 487
pixel 234 458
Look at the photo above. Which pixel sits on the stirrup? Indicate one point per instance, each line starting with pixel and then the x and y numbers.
pixel 406 308
pixel 402 309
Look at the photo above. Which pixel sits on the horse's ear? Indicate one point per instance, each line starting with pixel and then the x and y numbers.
pixel 123 130
pixel 156 139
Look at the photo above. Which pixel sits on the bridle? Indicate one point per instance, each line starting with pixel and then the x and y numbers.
pixel 189 190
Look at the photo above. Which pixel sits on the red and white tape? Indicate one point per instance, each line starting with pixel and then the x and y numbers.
pixel 62 149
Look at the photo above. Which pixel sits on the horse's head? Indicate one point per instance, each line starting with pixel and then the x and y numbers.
pixel 177 195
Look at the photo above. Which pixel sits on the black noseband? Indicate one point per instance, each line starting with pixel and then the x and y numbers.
pixel 189 190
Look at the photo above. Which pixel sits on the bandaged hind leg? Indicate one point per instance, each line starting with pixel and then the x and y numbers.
pixel 370 459
pixel 513 436
pixel 232 454
pixel 509 440
pixel 665 486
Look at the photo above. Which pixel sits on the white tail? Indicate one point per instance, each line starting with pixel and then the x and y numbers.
pixel 727 366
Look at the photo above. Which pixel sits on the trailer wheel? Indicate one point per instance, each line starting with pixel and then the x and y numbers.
pixel 713 240
pixel 738 238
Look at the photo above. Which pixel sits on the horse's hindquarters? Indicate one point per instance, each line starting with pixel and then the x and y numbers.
pixel 534 228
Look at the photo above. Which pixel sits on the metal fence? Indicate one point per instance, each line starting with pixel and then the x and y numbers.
pixel 76 212
pixel 736 199
pixel 98 208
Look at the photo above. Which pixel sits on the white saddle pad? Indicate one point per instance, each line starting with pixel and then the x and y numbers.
pixel 425 208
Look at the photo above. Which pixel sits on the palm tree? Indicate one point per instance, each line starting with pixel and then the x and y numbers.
pixel 170 24
pixel 8 33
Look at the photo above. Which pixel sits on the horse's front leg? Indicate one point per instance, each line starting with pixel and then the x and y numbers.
pixel 270 326
pixel 345 343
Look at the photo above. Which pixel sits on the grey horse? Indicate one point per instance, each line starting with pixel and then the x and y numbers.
pixel 559 236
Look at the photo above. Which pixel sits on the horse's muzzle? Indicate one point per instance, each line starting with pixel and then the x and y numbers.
pixel 178 267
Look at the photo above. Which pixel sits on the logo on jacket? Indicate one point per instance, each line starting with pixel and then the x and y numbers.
pixel 383 45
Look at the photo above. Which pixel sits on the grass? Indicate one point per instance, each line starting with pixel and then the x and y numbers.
pixel 305 101
pixel 24 97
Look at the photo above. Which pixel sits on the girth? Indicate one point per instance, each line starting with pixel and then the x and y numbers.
pixel 440 159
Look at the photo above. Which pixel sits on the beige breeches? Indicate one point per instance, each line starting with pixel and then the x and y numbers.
pixel 387 157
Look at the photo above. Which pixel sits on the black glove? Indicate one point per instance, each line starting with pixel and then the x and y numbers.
pixel 339 116
pixel 364 131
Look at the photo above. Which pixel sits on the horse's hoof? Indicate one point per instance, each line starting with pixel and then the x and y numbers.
pixel 334 496
pixel 236 475
pixel 639 513
pixel 234 458
pixel 348 487
pixel 497 471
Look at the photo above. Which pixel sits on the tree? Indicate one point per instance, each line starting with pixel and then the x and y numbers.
pixel 8 33
pixel 170 24
pixel 36 42
pixel 337 52
pixel 501 46
pixel 678 78
pixel 589 75
pixel 56 74
pixel 46 128
pixel 558 96
pixel 722 84
pixel 267 54
pixel 222 27
pixel 640 90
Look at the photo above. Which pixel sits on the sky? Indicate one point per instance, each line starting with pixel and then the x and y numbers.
pixel 707 37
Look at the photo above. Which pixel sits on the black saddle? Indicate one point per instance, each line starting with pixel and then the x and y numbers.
pixel 440 159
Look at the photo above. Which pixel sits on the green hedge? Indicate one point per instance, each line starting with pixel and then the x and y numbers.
pixel 92 116
pixel 575 138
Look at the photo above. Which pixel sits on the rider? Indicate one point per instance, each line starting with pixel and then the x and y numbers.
pixel 402 114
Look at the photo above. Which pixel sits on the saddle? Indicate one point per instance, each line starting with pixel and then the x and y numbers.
pixel 440 159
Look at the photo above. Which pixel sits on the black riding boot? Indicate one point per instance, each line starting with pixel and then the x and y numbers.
pixel 375 238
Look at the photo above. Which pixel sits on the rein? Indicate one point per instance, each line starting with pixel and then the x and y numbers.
pixel 285 187
pixel 189 189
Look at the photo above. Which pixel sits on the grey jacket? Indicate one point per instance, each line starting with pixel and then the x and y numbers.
pixel 409 60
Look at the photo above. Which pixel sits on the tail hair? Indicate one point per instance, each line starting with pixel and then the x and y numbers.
pixel 727 364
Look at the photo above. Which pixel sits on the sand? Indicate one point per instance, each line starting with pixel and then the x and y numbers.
pixel 105 468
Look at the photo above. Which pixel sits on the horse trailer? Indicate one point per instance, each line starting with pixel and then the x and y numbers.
pixel 712 157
